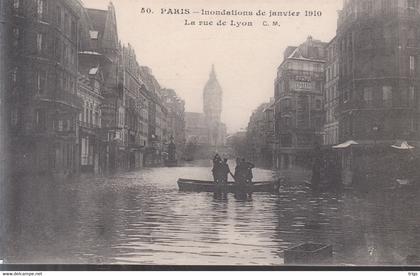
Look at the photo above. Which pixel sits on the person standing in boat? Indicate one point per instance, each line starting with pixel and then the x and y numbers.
pixel 240 183
pixel 247 170
pixel 224 174
pixel 216 168
pixel 239 172
pixel 248 166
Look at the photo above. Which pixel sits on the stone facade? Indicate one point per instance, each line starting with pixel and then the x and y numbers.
pixel 92 146
pixel 77 101
pixel 379 76
pixel 157 119
pixel 298 104
pixel 378 83
pixel 175 119
pixel 331 96
pixel 135 108
pixel 42 96
pixel 259 135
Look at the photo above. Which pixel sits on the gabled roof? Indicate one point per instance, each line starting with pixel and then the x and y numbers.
pixel 295 54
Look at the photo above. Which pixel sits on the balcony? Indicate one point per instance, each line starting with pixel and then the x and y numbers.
pixel 314 75
pixel 66 99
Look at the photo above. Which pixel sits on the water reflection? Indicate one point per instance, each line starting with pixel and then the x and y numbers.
pixel 142 218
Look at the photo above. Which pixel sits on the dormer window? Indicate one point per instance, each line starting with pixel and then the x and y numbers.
pixel 93 34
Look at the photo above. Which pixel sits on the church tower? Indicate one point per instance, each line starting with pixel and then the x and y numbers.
pixel 212 107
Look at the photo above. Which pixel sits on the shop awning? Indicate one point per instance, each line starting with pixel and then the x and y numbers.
pixel 345 144
pixel 403 145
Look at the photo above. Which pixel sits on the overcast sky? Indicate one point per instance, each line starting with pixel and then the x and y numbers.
pixel 245 58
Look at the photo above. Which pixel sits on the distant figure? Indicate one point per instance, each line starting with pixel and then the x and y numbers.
pixel 216 168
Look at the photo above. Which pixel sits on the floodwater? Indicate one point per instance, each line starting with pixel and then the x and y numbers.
pixel 141 218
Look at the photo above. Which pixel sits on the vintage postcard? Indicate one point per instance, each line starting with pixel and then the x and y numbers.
pixel 219 133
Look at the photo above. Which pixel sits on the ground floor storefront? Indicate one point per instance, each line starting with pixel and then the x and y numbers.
pixel 44 154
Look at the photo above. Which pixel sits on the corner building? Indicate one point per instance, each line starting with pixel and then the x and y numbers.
pixel 298 107
pixel 42 96
pixel 378 45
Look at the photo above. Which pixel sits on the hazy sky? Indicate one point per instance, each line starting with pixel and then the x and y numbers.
pixel 245 58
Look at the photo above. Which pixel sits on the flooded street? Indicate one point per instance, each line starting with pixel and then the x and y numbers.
pixel 141 218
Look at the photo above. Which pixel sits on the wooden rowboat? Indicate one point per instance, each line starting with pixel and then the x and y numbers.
pixel 192 185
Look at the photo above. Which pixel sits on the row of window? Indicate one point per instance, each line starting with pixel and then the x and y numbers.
pixel 396 126
pixel 286 140
pixel 304 66
pixel 64 81
pixel 407 97
pixel 287 104
pixel 40 120
pixel 62 51
pixel 63 19
pixel 91 114
pixel 302 121
pixel 40 6
pixel 331 72
pixel 375 65
pixel 369 37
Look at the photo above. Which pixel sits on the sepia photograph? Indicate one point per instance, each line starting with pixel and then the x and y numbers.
pixel 239 134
